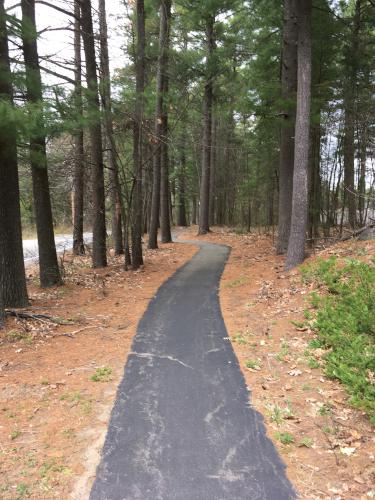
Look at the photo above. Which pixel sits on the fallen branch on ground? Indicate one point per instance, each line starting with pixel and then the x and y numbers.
pixel 42 318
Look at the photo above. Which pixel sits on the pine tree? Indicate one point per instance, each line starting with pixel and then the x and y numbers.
pixel 13 291
pixel 48 265
pixel 99 257
pixel 297 239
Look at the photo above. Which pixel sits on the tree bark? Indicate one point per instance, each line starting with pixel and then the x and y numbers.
pixel 13 291
pixel 48 265
pixel 165 218
pixel 181 207
pixel 204 207
pixel 297 239
pixel 137 205
pixel 114 183
pixel 99 254
pixel 78 176
pixel 349 107
pixel 212 173
pixel 161 129
pixel 288 94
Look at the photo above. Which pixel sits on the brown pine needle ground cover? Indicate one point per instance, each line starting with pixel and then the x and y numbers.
pixel 58 382
pixel 328 446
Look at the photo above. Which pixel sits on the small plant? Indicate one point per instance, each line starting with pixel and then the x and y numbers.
pixel 69 433
pixel 15 335
pixel 44 382
pixel 315 344
pixel 298 324
pixel 250 363
pixel 276 413
pixel 306 442
pixel 22 491
pixel 313 363
pixel 15 434
pixel 239 339
pixel 325 409
pixel 283 352
pixel 102 374
pixel 236 282
pixel 285 437
pixel 306 387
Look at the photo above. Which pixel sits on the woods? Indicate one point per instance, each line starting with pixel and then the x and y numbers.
pixel 187 187
pixel 254 115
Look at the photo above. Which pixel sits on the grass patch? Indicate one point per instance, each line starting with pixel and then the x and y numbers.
pixel 306 442
pixel 285 437
pixel 237 282
pixel 102 374
pixel 15 434
pixel 250 363
pixel 344 320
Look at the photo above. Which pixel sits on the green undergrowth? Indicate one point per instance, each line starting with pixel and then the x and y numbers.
pixel 344 320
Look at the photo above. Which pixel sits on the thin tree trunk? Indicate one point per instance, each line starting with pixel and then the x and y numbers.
pixel 99 255
pixel 137 205
pixel 13 291
pixel 362 174
pixel 165 219
pixel 349 107
pixel 297 239
pixel 288 94
pixel 212 172
pixel 78 177
pixel 160 117
pixel 181 207
pixel 48 265
pixel 315 184
pixel 207 131
pixel 114 183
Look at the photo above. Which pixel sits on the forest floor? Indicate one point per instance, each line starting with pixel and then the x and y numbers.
pixel 332 454
pixel 58 383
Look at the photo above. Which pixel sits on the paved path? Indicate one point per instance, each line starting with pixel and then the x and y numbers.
pixel 182 427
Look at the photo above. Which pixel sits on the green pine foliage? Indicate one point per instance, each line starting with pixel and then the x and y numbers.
pixel 345 323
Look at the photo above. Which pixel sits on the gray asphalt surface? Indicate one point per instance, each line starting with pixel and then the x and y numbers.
pixel 182 427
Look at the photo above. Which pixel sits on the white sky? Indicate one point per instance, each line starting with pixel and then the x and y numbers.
pixel 60 43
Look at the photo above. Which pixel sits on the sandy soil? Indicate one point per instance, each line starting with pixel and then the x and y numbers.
pixel 53 414
pixel 333 453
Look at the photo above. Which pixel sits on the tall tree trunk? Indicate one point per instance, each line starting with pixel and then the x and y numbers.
pixel 114 183
pixel 297 239
pixel 137 205
pixel 362 173
pixel 13 291
pixel 212 172
pixel 99 255
pixel 48 265
pixel 315 183
pixel 160 122
pixel 78 176
pixel 165 215
pixel 181 207
pixel 349 107
pixel 204 208
pixel 288 94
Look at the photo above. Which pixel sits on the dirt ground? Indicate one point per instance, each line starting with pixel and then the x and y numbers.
pixel 333 452
pixel 58 382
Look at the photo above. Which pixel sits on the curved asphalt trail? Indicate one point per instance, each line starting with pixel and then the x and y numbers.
pixel 182 427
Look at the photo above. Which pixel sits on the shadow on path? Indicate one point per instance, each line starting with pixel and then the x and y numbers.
pixel 182 427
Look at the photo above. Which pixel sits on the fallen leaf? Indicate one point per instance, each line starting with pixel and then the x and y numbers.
pixel 348 451
pixel 295 373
